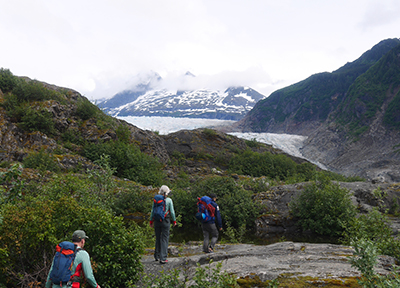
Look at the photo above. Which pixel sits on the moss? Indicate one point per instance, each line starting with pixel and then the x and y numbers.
pixel 293 281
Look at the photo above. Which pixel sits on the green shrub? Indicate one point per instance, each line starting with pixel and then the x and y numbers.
pixel 209 132
pixel 42 161
pixel 132 200
pixel 324 208
pixel 262 164
pixel 236 204
pixel 81 187
pixel 252 143
pixel 186 202
pixel 37 120
pixel 13 184
pixel 129 161
pixel 31 229
pixel 123 133
pixel 7 80
pixel 14 109
pixel 373 227
pixel 365 258
pixel 72 136
pixel 85 109
pixel 28 91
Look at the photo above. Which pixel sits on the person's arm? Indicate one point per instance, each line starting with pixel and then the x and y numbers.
pixel 218 216
pixel 48 282
pixel 170 208
pixel 87 268
pixel 151 217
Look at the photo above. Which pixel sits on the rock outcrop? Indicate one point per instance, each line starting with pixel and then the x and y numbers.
pixel 276 218
pixel 288 262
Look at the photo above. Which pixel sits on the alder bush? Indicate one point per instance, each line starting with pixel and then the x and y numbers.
pixel 32 224
pixel 324 208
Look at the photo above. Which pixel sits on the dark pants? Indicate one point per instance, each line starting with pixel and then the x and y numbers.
pixel 162 238
pixel 209 229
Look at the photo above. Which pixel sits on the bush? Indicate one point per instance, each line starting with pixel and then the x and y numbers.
pixel 37 120
pixel 7 80
pixel 262 164
pixel 373 227
pixel 14 185
pixel 31 229
pixel 323 208
pixel 85 109
pixel 42 161
pixel 236 204
pixel 364 259
pixel 133 200
pixel 28 91
pixel 129 161
pixel 72 136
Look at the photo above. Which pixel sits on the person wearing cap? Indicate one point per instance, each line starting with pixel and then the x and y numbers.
pixel 210 227
pixel 162 228
pixel 81 265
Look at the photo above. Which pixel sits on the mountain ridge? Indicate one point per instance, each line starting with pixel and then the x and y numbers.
pixel 309 102
pixel 350 116
pixel 231 103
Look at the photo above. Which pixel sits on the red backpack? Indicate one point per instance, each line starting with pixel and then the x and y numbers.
pixel 205 211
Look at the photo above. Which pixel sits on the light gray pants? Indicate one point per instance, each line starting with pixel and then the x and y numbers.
pixel 162 238
pixel 209 229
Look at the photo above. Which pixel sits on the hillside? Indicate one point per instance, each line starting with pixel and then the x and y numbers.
pixel 350 115
pixel 37 117
pixel 301 107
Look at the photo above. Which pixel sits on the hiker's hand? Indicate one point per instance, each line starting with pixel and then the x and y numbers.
pixel 220 229
pixel 174 223
pixel 151 224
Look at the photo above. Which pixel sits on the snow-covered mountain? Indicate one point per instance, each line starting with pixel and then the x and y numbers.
pixel 144 100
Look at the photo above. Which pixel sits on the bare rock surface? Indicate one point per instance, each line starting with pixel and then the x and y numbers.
pixel 267 262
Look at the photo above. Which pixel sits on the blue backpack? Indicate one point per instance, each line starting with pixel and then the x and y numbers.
pixel 159 208
pixel 205 210
pixel 62 263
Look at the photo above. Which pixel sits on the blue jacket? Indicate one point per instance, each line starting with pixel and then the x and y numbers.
pixel 217 215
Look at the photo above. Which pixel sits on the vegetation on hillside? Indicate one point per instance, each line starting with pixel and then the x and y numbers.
pixel 367 95
pixel 41 203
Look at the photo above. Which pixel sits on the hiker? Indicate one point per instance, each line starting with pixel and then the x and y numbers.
pixel 210 228
pixel 162 226
pixel 81 265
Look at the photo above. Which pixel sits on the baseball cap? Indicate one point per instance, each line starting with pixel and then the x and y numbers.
pixel 79 234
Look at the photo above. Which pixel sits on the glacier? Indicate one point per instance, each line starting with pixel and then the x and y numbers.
pixel 290 144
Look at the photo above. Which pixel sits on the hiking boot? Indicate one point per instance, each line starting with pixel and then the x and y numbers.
pixel 163 261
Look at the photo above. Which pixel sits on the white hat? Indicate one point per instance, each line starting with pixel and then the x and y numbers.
pixel 164 190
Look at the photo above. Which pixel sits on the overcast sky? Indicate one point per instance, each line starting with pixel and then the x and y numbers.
pixel 99 47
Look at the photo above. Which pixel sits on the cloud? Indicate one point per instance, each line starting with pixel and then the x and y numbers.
pixel 380 14
pixel 99 47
